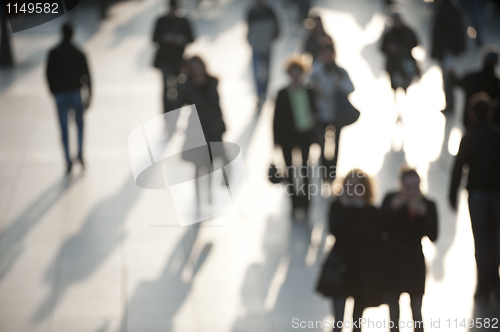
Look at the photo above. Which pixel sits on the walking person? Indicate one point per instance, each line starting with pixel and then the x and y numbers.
pixel 316 38
pixel 294 127
pixel 480 151
pixel 329 81
pixel 67 72
pixel 448 42
pixel 263 29
pixel 172 34
pixel 408 216
pixel 352 267
pixel 397 44
pixel 484 80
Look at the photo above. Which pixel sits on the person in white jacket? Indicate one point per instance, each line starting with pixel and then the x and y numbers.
pixel 329 80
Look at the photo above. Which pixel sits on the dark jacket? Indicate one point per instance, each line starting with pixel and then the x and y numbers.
pixel 404 262
pixel 484 80
pixel 405 40
pixel 357 245
pixel 67 69
pixel 448 33
pixel 170 55
pixel 480 151
pixel 206 99
pixel 284 124
pixel 263 28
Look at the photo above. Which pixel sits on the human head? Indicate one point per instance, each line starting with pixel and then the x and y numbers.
pixel 357 184
pixel 481 107
pixel 397 19
pixel 259 2
pixel 172 4
pixel 67 31
pixel 327 53
pixel 196 66
pixel 410 183
pixel 295 68
pixel 490 59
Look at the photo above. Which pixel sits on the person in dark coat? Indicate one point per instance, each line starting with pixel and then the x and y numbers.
pixel 171 35
pixel 352 267
pixel 448 41
pixel 200 89
pixel 67 72
pixel 397 44
pixel 294 124
pixel 484 80
pixel 316 38
pixel 408 216
pixel 480 151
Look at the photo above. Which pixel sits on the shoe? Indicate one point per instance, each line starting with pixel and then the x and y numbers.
pixel 68 168
pixel 80 159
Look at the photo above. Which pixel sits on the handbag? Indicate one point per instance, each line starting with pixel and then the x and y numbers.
pixel 346 113
pixel 333 276
pixel 273 176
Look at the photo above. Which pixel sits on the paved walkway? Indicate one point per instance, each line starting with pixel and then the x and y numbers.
pixel 95 253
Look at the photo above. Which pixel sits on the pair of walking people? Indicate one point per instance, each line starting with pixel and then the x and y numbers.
pixel 377 254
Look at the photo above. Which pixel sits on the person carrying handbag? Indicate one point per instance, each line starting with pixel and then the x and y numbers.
pixel 332 85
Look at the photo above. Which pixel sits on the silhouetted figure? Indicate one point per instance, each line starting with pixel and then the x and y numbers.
pixel 480 151
pixel 329 80
pixel 484 80
pixel 200 89
pixel 448 41
pixel 352 267
pixel 171 34
pixel 397 44
pixel 263 29
pixel 67 72
pixel 408 217
pixel 316 38
pixel 294 127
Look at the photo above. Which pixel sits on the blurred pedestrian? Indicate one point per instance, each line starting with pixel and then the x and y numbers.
pixel 397 44
pixel 294 127
pixel 263 29
pixel 480 151
pixel 171 35
pixel 329 81
pixel 408 216
pixel 200 89
pixel 352 267
pixel 316 38
pixel 448 41
pixel 484 80
pixel 67 73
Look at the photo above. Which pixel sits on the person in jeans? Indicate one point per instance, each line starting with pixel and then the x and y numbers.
pixel 171 35
pixel 480 151
pixel 328 80
pixel 67 72
pixel 263 29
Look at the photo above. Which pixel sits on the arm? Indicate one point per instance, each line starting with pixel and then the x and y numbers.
pixel 345 83
pixel 278 117
pixel 276 25
pixel 50 72
pixel 338 217
pixel 456 177
pixel 189 33
pixel 86 72
pixel 157 33
pixel 430 222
